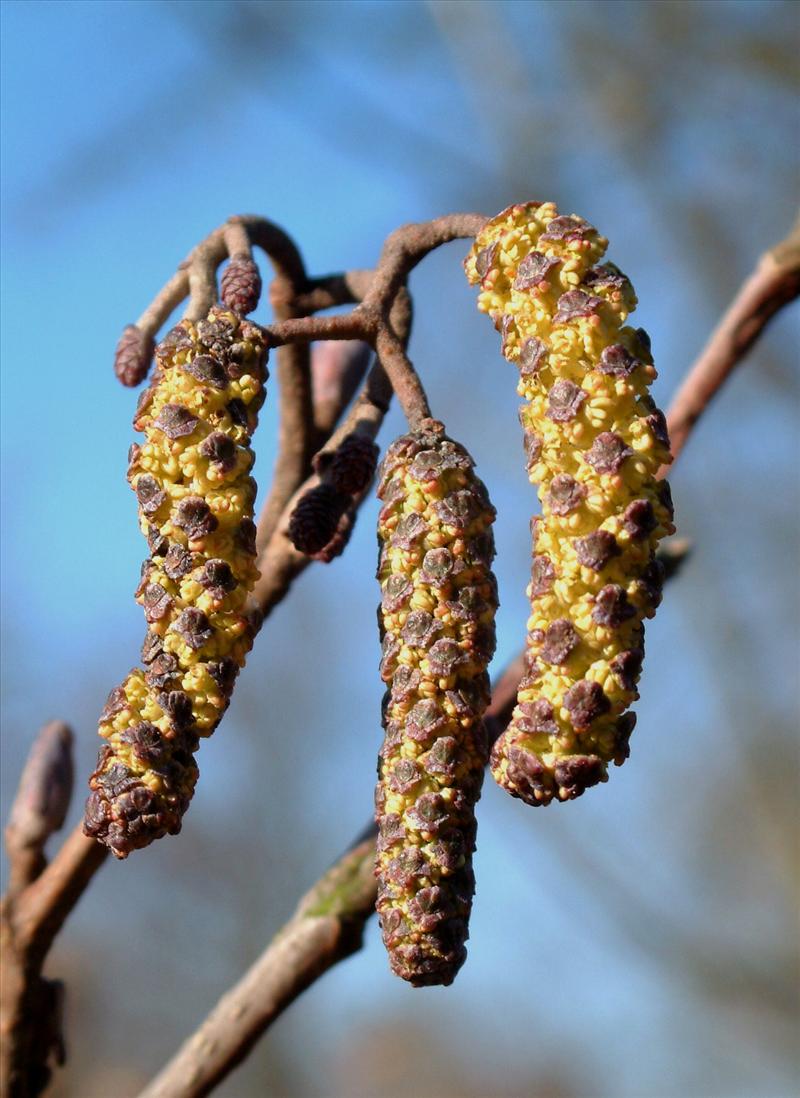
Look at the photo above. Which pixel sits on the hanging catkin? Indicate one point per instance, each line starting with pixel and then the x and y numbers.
pixel 594 441
pixel 192 480
pixel 438 601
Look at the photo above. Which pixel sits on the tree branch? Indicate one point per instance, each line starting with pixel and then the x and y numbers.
pixel 337 369
pixel 28 1004
pixel 327 926
pixel 774 283
pixel 296 430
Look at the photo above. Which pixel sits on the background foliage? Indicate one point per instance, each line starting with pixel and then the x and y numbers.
pixel 637 943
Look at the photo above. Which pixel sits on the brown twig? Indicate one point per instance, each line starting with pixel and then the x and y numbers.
pixel 403 250
pixel 280 563
pixel 337 369
pixel 41 803
pixel 774 283
pixel 295 432
pixel 327 926
pixel 32 912
pixel 404 378
pixel 165 302
pixel 236 237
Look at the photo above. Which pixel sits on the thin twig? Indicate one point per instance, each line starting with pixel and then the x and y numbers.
pixel 337 369
pixel 28 924
pixel 165 302
pixel 296 422
pixel 280 563
pixel 236 237
pixel 327 926
pixel 43 908
pixel 28 1004
pixel 408 246
pixel 404 378
pixel 774 283
pixel 403 250
pixel 41 803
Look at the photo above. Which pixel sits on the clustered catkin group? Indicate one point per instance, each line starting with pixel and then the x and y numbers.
pixel 594 441
pixel 438 603
pixel 192 480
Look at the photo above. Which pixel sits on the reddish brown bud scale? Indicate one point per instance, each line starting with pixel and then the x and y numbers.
pixel 133 356
pixel 240 288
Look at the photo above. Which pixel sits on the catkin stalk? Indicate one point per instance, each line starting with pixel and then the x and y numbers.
pixel 192 480
pixel 438 601
pixel 594 442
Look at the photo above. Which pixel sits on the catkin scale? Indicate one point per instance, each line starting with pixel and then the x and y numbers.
pixel 594 442
pixel 438 601
pixel 192 481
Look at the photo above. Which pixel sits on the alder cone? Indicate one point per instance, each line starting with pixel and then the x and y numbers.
pixel 438 601
pixel 315 518
pixel 341 538
pixel 240 288
pixel 352 465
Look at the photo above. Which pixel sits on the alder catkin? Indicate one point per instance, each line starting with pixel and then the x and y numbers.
pixel 438 601
pixel 192 480
pixel 594 442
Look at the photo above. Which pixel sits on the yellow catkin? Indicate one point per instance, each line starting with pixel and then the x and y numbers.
pixel 594 442
pixel 438 601
pixel 192 480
